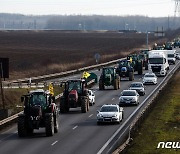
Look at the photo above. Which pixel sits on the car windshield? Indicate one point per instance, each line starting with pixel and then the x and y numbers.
pixel 171 55
pixel 109 109
pixel 156 60
pixel 136 85
pixel 128 93
pixel 38 99
pixel 149 76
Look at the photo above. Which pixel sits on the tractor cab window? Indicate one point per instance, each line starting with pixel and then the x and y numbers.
pixel 75 86
pixel 38 99
pixel 108 71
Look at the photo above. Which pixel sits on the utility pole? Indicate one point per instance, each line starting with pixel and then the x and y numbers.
pixel 147 39
pixel 2 93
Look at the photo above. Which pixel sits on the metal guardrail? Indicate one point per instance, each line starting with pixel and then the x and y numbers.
pixel 56 75
pixel 124 130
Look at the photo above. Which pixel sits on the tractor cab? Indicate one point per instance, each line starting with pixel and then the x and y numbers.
pixel 75 95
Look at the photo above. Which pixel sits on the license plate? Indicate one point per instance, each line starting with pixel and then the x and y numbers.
pixel 128 102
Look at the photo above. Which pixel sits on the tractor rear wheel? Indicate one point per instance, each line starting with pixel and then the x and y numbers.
pixel 84 105
pixel 101 85
pixel 49 124
pixel 140 68
pixel 119 84
pixel 22 131
pixel 115 84
pixel 63 106
pixel 146 66
pixel 56 124
pixel 131 76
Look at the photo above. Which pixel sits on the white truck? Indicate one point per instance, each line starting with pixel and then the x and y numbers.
pixel 158 62
pixel 171 56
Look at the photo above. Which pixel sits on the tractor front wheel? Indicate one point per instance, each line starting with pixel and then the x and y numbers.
pixel 84 105
pixel 131 76
pixel 22 131
pixel 49 124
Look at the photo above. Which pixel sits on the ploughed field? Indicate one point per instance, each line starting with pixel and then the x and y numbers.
pixel 34 53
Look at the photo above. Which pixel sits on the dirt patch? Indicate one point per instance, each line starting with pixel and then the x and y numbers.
pixel 45 52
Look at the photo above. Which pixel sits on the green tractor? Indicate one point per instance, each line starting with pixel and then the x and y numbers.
pixel 40 111
pixel 144 57
pixel 137 63
pixel 75 95
pixel 109 77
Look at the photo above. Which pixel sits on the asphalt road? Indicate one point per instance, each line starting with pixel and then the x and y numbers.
pixel 78 133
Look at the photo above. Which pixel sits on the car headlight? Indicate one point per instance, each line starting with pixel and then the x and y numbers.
pixel 121 99
pixel 133 99
pixel 115 115
pixel 99 115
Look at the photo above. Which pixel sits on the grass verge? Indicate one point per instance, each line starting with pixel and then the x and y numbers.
pixel 162 124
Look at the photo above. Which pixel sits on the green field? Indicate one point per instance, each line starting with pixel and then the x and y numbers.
pixel 162 124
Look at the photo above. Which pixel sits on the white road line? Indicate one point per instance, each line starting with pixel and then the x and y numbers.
pixel 54 143
pixel 113 99
pixel 75 127
pixel 91 115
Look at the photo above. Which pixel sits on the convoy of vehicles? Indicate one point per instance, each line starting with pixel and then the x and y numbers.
pixel 40 109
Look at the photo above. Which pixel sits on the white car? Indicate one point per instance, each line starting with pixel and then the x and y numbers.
pixel 150 78
pixel 91 97
pixel 110 113
pixel 129 97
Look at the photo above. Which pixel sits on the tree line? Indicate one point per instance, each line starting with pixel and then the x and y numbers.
pixel 91 22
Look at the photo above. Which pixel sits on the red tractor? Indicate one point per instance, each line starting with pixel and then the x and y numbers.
pixel 75 95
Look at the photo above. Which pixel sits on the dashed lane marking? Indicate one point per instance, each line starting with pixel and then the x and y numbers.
pixel 75 127
pixel 90 115
pixel 54 143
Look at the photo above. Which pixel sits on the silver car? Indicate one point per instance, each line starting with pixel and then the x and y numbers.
pixel 129 97
pixel 139 87
pixel 110 113
pixel 150 78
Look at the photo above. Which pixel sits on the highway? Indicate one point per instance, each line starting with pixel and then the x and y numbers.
pixel 78 133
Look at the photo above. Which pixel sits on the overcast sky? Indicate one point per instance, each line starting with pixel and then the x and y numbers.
pixel 151 8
